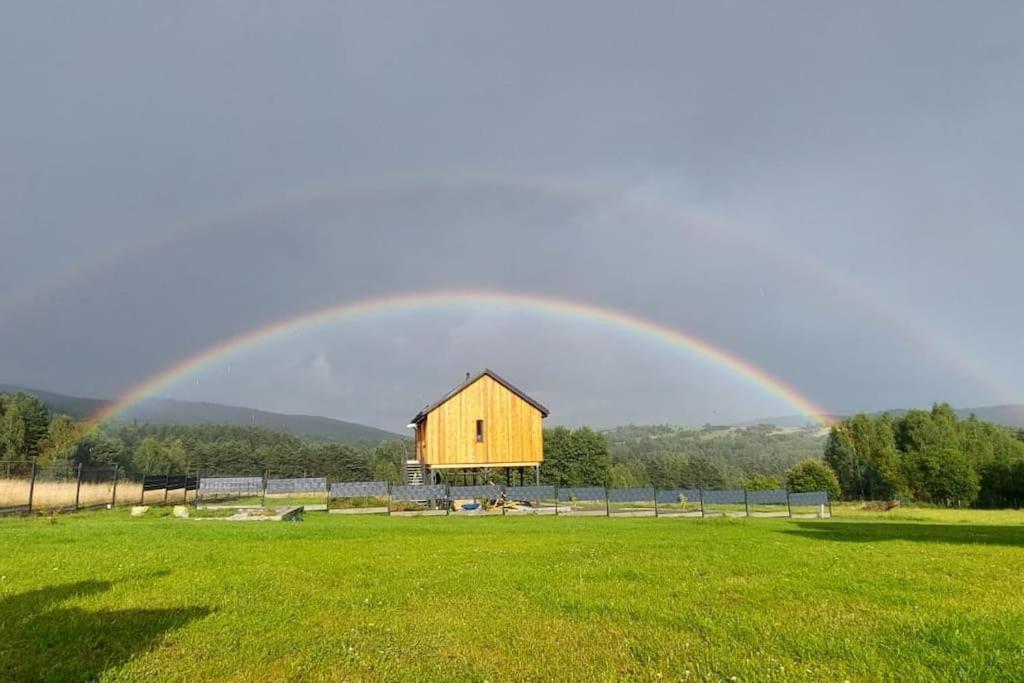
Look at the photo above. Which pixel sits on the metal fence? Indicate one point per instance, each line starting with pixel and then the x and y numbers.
pixel 26 486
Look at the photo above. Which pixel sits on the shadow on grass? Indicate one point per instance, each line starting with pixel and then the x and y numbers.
pixel 872 532
pixel 42 640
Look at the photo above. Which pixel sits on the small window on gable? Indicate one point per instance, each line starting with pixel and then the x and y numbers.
pixel 479 431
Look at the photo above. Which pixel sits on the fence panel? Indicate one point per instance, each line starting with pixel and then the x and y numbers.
pixel 158 487
pixel 769 497
pixel 632 502
pixel 230 487
pixel 631 495
pixel 487 491
pixel 416 499
pixel 673 496
pixel 358 497
pixel 582 493
pixel 297 485
pixel 768 503
pixel 414 492
pixel 808 498
pixel 725 497
pixel 582 500
pixel 530 493
pixel 359 489
pixel 15 486
pixel 726 502
pixel 531 500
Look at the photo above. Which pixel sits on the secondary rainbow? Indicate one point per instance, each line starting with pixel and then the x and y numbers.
pixel 414 301
pixel 649 211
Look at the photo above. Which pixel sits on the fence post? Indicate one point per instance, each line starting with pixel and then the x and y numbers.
pixel 607 504
pixel 167 482
pixel 655 501
pixel 32 485
pixel 78 485
pixel 389 498
pixel 746 503
pixel 700 492
pixel 113 494
pixel 828 499
pixel 557 499
pixel 789 505
pixel 266 475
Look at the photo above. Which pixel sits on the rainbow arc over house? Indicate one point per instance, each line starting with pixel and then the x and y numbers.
pixel 495 299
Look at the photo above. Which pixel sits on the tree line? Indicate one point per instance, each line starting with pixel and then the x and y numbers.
pixel 59 443
pixel 923 456
pixel 928 457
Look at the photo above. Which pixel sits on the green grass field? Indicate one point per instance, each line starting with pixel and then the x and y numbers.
pixel 920 595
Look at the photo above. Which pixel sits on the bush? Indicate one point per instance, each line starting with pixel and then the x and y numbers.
pixel 813 475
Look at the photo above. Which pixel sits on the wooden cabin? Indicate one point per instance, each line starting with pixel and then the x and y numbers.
pixel 483 423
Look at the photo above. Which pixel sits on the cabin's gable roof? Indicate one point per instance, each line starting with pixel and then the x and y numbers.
pixel 422 415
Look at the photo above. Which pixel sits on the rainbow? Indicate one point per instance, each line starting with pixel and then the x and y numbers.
pixel 649 211
pixel 414 301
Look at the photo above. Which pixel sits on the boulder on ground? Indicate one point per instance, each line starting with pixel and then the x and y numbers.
pixel 180 511
pixel 139 510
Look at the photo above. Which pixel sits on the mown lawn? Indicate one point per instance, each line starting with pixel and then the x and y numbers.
pixel 102 596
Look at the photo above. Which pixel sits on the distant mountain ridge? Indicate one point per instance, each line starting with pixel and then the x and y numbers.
pixel 1005 415
pixel 174 412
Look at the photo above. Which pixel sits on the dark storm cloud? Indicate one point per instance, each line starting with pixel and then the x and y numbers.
pixel 876 141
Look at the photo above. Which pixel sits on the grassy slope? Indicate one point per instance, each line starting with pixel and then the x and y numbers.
pixel 101 595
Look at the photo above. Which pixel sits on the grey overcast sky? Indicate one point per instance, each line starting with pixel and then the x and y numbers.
pixel 830 191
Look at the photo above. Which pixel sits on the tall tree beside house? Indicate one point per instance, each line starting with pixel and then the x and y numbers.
pixel 575 457
pixel 848 466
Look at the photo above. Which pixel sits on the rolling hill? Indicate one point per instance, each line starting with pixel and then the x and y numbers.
pixel 1007 415
pixel 174 412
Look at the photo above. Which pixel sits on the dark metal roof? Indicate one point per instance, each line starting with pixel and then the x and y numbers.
pixel 422 415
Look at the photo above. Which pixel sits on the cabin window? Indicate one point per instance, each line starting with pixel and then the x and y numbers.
pixel 479 431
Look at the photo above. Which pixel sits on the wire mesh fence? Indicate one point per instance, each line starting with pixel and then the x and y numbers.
pixel 26 486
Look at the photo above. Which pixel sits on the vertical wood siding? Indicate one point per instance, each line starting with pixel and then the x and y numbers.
pixel 512 428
